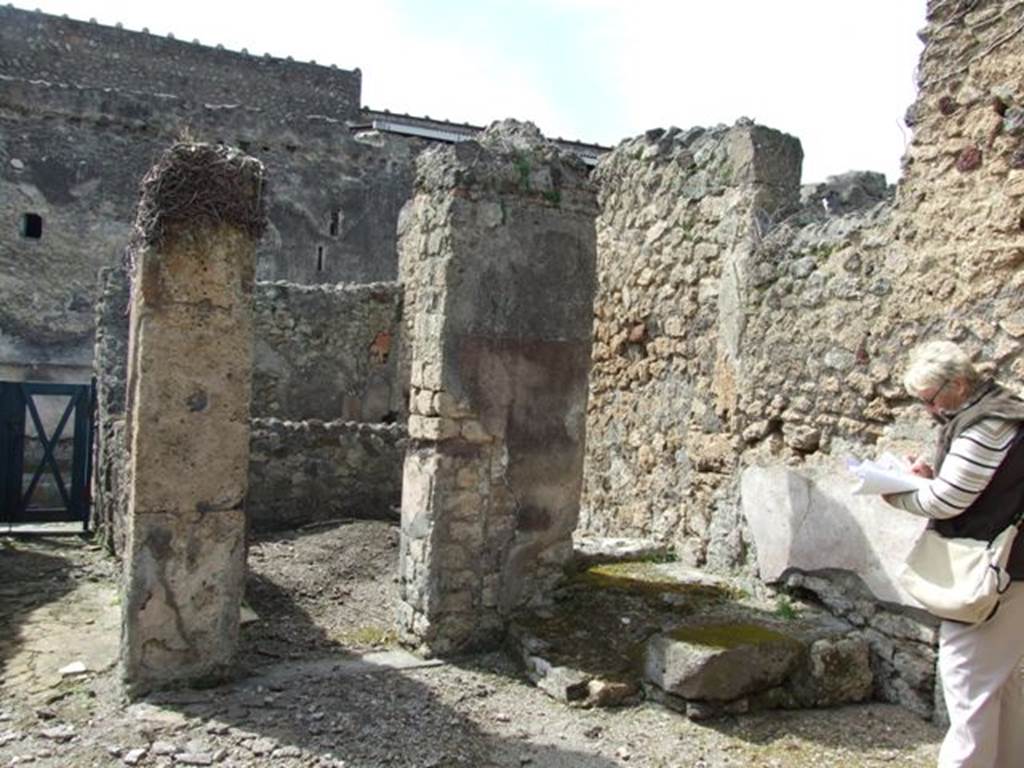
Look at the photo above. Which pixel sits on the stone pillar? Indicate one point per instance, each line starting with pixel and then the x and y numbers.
pixel 189 375
pixel 497 253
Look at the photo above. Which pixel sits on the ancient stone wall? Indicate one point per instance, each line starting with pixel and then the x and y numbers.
pixel 680 215
pixel 733 375
pixel 309 471
pixel 71 156
pixel 326 352
pixel 37 46
pixel 859 291
pixel 962 195
pixel 742 466
pixel 832 293
pixel 497 255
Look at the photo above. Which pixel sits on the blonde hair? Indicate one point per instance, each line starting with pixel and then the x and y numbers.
pixel 935 363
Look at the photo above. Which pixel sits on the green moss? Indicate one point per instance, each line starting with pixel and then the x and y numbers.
pixel 822 252
pixel 785 609
pixel 522 163
pixel 371 635
pixel 604 616
pixel 644 578
pixel 728 635
pixel 553 196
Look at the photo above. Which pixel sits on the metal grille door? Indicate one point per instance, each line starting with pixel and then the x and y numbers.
pixel 45 452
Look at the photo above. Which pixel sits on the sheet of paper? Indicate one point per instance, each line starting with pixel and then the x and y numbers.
pixel 887 474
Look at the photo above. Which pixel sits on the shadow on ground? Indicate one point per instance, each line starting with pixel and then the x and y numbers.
pixel 880 729
pixel 33 573
pixel 306 696
pixel 282 630
pixel 309 697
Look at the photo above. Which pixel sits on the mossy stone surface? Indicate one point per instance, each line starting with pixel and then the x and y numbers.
pixel 649 579
pixel 605 615
pixel 721 661
pixel 726 636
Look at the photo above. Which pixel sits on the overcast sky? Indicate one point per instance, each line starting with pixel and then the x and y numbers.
pixel 838 74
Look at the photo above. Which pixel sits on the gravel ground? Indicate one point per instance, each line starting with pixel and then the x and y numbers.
pixel 323 597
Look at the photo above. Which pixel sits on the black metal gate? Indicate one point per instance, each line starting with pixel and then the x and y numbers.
pixel 45 467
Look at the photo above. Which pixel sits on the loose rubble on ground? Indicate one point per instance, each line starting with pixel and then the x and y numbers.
pixel 324 684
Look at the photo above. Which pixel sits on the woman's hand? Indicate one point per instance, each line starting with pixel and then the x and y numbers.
pixel 920 467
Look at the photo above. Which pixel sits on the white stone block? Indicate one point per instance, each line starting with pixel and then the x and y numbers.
pixel 810 521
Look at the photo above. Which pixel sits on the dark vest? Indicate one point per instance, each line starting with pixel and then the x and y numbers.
pixel 997 505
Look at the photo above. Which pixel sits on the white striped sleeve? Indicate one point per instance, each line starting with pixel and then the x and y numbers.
pixel 966 471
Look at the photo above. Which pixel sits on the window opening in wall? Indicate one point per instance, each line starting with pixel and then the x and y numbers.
pixel 319 258
pixel 335 222
pixel 31 225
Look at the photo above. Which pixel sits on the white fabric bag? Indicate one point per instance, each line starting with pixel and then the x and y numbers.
pixel 958 579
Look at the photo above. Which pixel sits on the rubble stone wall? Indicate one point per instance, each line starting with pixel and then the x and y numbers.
pixel 327 352
pixel 962 196
pixel 741 465
pixel 303 472
pixel 680 217
pixel 38 46
pixel 73 154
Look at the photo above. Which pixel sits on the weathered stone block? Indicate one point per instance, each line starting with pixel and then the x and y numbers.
pixel 422 403
pixel 805 520
pixel 418 494
pixel 190 411
pixel 837 671
pixel 561 683
pixel 199 270
pixel 446 405
pixel 720 662
pixel 183 590
pixel 473 431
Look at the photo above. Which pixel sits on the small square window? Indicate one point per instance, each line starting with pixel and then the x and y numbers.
pixel 31 226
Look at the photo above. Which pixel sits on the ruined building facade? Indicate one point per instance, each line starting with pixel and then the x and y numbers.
pixel 747 335
pixel 87 109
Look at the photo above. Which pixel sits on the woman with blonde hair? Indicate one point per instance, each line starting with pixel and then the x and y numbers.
pixel 976 490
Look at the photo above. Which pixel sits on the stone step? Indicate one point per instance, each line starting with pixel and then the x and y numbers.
pixel 733 661
pixel 591 550
pixel 699 644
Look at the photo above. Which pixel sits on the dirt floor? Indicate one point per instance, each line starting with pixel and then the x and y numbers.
pixel 323 684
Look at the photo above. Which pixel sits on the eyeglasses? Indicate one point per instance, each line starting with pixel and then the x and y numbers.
pixel 929 402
